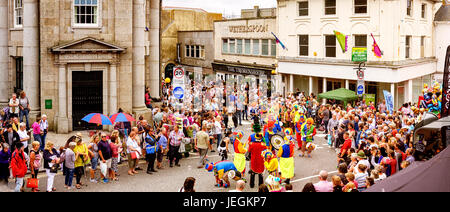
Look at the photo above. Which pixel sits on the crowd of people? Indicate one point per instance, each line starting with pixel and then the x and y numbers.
pixel 371 142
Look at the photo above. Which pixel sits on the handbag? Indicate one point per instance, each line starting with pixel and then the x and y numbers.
pixel 32 183
pixel 133 155
pixel 54 168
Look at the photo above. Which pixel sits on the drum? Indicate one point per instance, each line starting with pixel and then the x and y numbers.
pixel 277 141
pixel 235 175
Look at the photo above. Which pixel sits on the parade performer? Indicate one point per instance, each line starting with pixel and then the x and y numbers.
pixel 298 131
pixel 239 152
pixel 256 146
pixel 270 162
pixel 221 171
pixel 286 155
pixel 308 131
pixel 268 133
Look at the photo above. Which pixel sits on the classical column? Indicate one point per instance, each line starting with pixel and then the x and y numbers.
pixel 63 121
pixel 154 83
pixel 393 94
pixel 347 86
pixel 310 85
pixel 324 88
pixel 113 88
pixel 291 83
pixel 4 75
pixel 410 90
pixel 31 77
pixel 138 55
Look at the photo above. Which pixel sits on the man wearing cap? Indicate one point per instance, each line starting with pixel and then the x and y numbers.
pixel 362 159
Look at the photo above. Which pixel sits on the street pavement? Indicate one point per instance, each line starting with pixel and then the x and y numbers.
pixel 172 179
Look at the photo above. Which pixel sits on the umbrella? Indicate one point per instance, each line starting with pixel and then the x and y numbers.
pixel 97 118
pixel 121 117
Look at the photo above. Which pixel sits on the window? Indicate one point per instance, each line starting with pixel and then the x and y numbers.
pixel 303 8
pixel 361 41
pixel 232 46
pixel 265 47
pixel 202 51
pixel 188 51
pixel 303 45
pixel 18 11
pixel 239 46
pixel 248 46
pixel 256 47
pixel 422 46
pixel 330 7
pixel 409 6
pixel 273 47
pixel 19 74
pixel 197 51
pixel 330 46
pixel 424 9
pixel 192 51
pixel 224 45
pixel 407 46
pixel 360 6
pixel 86 12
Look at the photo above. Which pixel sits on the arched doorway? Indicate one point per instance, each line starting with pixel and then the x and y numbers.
pixel 168 71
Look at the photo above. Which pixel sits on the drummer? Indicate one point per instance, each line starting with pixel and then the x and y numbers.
pixel 268 135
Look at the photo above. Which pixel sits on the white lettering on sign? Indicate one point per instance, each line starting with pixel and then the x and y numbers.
pixel 249 28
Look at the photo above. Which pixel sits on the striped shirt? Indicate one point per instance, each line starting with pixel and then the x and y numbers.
pixel 175 138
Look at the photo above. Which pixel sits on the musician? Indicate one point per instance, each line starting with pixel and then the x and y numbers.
pixel 308 131
pixel 298 131
pixel 268 133
pixel 256 146
pixel 286 155
pixel 239 152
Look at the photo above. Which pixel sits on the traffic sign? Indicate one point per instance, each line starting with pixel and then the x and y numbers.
pixel 360 87
pixel 178 92
pixel 178 72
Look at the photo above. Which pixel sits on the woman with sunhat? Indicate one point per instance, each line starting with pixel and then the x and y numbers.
pixel 286 155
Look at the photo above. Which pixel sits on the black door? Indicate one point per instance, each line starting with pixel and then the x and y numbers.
pixel 87 97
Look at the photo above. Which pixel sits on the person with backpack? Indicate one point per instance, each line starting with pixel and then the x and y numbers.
pixel 19 166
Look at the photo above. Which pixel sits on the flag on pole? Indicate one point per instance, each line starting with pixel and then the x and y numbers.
pixel 342 39
pixel 375 48
pixel 278 41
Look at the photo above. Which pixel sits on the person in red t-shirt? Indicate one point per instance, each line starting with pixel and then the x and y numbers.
pixel 256 146
pixel 345 147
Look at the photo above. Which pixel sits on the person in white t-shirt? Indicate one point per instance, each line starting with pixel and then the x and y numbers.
pixel 23 134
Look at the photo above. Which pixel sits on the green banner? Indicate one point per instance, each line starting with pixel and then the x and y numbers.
pixel 369 98
pixel 359 54
pixel 48 104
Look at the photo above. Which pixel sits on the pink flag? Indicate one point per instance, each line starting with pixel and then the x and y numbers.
pixel 375 48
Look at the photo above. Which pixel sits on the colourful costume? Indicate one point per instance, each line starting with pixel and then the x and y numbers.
pixel 308 131
pixel 256 146
pixel 270 162
pixel 286 155
pixel 298 130
pixel 220 169
pixel 239 152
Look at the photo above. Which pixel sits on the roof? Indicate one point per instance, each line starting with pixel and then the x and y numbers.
pixel 443 14
pixel 87 44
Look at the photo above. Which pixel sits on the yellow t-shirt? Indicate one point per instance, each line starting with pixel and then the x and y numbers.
pixel 82 149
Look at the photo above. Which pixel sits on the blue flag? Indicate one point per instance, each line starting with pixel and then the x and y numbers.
pixel 389 101
pixel 278 41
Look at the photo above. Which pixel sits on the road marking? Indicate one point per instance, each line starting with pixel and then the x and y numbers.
pixel 306 178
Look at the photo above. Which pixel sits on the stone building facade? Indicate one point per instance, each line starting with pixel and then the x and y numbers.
pixel 315 63
pixel 196 51
pixel 73 57
pixel 175 19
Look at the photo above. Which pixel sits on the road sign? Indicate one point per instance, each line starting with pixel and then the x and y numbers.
pixel 178 92
pixel 360 87
pixel 178 72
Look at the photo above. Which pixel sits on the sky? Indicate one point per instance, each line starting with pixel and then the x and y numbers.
pixel 226 7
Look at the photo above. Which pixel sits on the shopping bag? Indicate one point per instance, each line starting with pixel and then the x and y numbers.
pixel 329 140
pixel 103 168
pixel 32 183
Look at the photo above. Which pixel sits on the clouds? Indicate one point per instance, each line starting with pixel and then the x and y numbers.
pixel 226 7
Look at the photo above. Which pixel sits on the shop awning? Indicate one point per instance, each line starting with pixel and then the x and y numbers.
pixel 340 94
